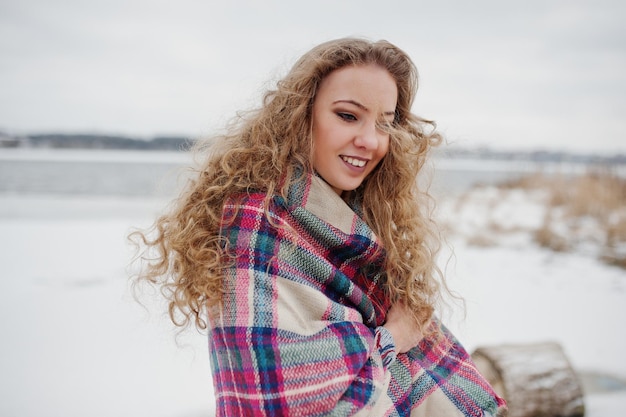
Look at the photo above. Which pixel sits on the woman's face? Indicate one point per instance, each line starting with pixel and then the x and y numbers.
pixel 349 107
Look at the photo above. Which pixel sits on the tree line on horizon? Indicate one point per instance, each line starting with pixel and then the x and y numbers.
pixel 183 143
pixel 96 141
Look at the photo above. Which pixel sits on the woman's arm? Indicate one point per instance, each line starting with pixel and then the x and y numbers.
pixel 403 328
pixel 282 345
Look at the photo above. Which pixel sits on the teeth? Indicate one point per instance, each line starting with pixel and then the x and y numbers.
pixel 354 162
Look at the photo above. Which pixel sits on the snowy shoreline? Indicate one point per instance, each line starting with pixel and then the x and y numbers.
pixel 74 335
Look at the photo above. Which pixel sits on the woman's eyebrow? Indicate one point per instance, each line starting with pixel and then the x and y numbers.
pixel 363 107
pixel 356 103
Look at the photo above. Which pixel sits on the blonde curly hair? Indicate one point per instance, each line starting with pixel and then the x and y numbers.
pixel 262 149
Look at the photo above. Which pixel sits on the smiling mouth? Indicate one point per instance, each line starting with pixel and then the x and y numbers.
pixel 359 163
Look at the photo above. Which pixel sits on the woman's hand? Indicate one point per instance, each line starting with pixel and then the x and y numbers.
pixel 403 328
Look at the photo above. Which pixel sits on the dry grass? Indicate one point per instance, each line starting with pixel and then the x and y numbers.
pixel 587 208
pixel 582 213
pixel 566 212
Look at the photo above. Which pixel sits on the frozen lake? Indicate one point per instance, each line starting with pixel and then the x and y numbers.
pixel 76 343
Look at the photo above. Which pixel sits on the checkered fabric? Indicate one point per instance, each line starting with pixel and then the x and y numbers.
pixel 299 333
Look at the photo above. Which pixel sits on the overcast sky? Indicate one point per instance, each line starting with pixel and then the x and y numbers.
pixel 513 75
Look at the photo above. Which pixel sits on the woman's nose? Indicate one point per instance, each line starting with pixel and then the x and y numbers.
pixel 368 136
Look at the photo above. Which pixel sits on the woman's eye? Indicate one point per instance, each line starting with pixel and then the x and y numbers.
pixel 384 125
pixel 347 117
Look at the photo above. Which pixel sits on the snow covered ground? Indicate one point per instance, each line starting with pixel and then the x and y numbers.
pixel 76 343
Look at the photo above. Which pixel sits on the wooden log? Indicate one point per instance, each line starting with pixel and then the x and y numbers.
pixel 536 380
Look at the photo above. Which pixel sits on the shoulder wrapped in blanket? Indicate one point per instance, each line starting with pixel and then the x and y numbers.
pixel 299 333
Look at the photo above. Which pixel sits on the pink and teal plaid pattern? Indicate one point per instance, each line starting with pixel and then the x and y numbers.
pixel 299 332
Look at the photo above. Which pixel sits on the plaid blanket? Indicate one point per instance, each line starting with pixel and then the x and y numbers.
pixel 299 333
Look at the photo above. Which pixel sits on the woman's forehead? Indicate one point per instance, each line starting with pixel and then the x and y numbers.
pixel 368 86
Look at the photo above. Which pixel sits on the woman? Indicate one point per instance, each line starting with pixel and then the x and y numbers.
pixel 306 243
